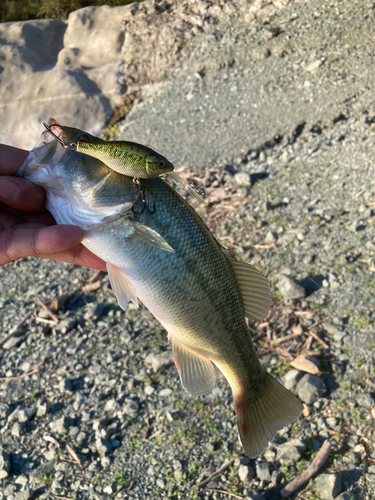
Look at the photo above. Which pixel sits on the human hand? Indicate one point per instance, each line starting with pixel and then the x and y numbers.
pixel 27 228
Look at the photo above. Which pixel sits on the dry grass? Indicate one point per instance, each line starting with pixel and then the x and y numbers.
pixel 23 10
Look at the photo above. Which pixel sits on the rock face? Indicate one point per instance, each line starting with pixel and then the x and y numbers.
pixel 77 71
pixel 69 70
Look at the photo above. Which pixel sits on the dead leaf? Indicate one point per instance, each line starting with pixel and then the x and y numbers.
pixel 304 365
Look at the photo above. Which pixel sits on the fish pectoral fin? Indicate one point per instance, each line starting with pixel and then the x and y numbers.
pixel 255 289
pixel 148 235
pixel 122 287
pixel 197 373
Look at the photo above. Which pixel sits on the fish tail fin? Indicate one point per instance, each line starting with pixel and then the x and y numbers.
pixel 260 419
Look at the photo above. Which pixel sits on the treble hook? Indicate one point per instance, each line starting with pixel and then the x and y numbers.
pixel 145 201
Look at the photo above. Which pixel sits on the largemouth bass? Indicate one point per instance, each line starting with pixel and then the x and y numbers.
pixel 180 273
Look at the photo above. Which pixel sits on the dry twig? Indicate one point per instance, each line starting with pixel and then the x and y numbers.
pixel 15 329
pixel 48 311
pixel 311 470
pixel 218 472
pixel 21 376
pixel 225 493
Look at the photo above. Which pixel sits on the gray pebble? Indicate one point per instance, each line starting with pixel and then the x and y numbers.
pixel 365 399
pixel 310 388
pixel 159 360
pixel 289 289
pixel 4 463
pixel 263 471
pixel 242 179
pixel 291 450
pixel 291 378
pixel 246 474
pixel 328 486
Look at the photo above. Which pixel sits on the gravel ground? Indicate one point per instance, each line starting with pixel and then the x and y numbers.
pixel 275 118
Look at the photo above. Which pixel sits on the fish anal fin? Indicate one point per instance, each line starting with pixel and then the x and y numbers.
pixel 260 419
pixel 122 286
pixel 255 289
pixel 197 373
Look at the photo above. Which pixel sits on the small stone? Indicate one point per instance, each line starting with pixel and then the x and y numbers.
pixel 13 342
pixel 310 388
pixel 26 494
pixel 242 179
pixel 108 490
pixel 61 425
pixel 330 328
pixel 339 336
pixel 111 405
pixel 365 400
pixel 5 410
pixel 351 441
pixel 347 495
pixel 291 450
pixel 160 483
pixel 291 378
pixel 130 407
pixel 331 422
pixel 26 414
pixel 263 471
pixel 289 289
pixel 18 429
pixel 103 447
pixel 65 385
pixel 270 238
pixel 328 486
pixel 159 361
pixel 4 463
pixel 164 393
pixel 149 390
pixel 314 65
pixel 26 367
pixel 41 410
pixel 246 474
pixel 269 455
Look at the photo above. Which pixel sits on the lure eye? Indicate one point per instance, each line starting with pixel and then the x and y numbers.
pixel 161 163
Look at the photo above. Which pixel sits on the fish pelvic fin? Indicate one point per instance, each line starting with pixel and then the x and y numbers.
pixel 197 373
pixel 255 289
pixel 122 286
pixel 260 419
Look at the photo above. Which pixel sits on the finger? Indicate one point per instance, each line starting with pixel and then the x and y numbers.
pixel 11 159
pixel 21 241
pixel 80 256
pixel 22 194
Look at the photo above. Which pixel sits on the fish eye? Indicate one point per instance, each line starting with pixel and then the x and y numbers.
pixel 161 163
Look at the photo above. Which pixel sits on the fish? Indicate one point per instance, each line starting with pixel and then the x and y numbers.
pixel 185 278
pixel 125 157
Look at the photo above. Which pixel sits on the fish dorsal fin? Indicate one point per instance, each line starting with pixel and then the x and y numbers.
pixel 149 236
pixel 255 289
pixel 197 373
pixel 122 287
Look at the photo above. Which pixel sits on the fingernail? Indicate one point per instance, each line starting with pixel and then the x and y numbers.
pixel 9 191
